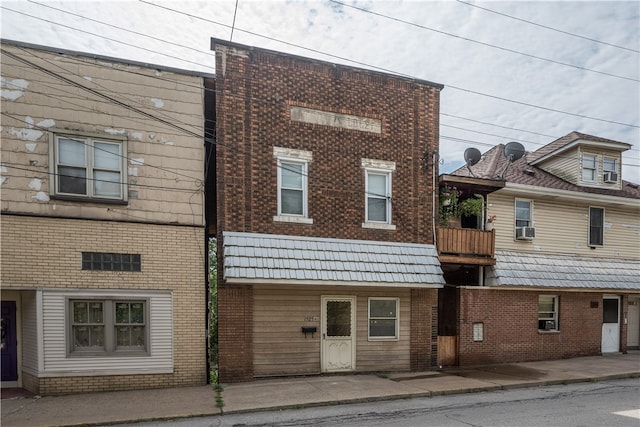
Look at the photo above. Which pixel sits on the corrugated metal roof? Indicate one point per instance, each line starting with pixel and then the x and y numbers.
pixel 521 269
pixel 268 258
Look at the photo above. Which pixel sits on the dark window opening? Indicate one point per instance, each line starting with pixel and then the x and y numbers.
pixel 99 261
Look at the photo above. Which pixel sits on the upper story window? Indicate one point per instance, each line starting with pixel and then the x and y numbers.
pixel 589 167
pixel 596 226
pixel 523 213
pixel 609 170
pixel 292 184
pixel 89 167
pixel 378 193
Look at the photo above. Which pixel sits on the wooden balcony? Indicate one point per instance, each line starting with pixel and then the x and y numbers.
pixel 466 246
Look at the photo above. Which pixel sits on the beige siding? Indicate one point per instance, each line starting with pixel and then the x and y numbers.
pixel 565 166
pixel 57 363
pixel 562 227
pixel 279 346
pixel 29 333
pixel 165 164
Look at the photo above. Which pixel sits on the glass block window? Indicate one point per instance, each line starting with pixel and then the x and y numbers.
pixel 101 261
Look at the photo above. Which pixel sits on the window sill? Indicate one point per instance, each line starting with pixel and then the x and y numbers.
pixel 293 219
pixel 377 339
pixel 90 200
pixel 541 332
pixel 379 226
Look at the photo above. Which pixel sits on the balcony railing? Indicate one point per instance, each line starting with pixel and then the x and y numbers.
pixel 466 246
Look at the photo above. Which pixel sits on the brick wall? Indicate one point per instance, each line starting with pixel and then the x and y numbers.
pixel 235 333
pixel 510 320
pixel 422 325
pixel 46 252
pixel 255 91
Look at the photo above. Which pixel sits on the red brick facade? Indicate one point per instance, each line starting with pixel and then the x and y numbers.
pixel 255 93
pixel 510 324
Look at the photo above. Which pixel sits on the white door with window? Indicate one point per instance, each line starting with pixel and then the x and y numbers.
pixel 338 348
pixel 610 324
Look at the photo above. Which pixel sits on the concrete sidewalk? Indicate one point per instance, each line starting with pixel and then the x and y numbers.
pixel 130 406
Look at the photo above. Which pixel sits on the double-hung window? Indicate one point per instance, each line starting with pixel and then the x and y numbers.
pixel 108 326
pixel 548 313
pixel 378 193
pixel 589 168
pixel 596 226
pixel 383 318
pixel 292 166
pixel 523 213
pixel 89 167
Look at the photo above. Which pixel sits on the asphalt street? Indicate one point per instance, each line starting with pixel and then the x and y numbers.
pixel 613 403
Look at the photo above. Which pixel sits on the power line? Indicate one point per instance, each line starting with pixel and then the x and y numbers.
pixel 424 27
pixel 101 36
pixel 344 59
pixel 392 71
pixel 546 26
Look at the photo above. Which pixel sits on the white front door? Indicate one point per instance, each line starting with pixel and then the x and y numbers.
pixel 338 334
pixel 610 324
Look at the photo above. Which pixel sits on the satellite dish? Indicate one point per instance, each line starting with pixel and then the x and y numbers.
pixel 472 156
pixel 514 151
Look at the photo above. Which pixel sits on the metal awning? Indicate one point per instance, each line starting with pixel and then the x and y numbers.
pixel 531 270
pixel 281 259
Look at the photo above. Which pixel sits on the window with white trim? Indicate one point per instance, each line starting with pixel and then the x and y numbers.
pixel 292 184
pixel 107 326
pixel 89 167
pixel 596 226
pixel 384 321
pixel 589 167
pixel 548 313
pixel 378 193
pixel 609 164
pixel 523 213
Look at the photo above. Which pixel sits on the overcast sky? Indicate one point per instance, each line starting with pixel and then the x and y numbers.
pixel 513 71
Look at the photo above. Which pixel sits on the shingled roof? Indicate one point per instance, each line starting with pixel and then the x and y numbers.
pixel 301 260
pixel 495 166
pixel 535 270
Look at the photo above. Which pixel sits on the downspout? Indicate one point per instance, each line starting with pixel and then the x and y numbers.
pixel 433 198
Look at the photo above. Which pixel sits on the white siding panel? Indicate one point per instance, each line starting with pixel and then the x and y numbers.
pixel 56 361
pixel 29 333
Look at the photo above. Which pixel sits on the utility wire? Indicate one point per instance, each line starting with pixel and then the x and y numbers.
pixel 344 59
pixel 483 43
pixel 546 26
pixel 392 71
pixel 442 136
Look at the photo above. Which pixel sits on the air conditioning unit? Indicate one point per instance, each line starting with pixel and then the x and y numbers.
pixel 549 325
pixel 525 233
pixel 610 177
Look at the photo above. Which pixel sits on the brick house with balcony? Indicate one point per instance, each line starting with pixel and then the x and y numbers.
pixel 323 216
pixel 563 280
pixel 103 238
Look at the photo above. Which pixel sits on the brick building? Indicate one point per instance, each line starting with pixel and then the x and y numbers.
pixel 324 216
pixel 103 239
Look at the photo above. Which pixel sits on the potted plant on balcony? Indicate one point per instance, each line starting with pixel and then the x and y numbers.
pixel 471 207
pixel 449 206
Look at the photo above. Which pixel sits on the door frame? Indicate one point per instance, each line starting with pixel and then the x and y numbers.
pixel 11 334
pixel 323 329
pixel 618 323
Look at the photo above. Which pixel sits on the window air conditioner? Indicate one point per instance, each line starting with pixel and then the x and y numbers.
pixel 549 325
pixel 525 233
pixel 610 177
